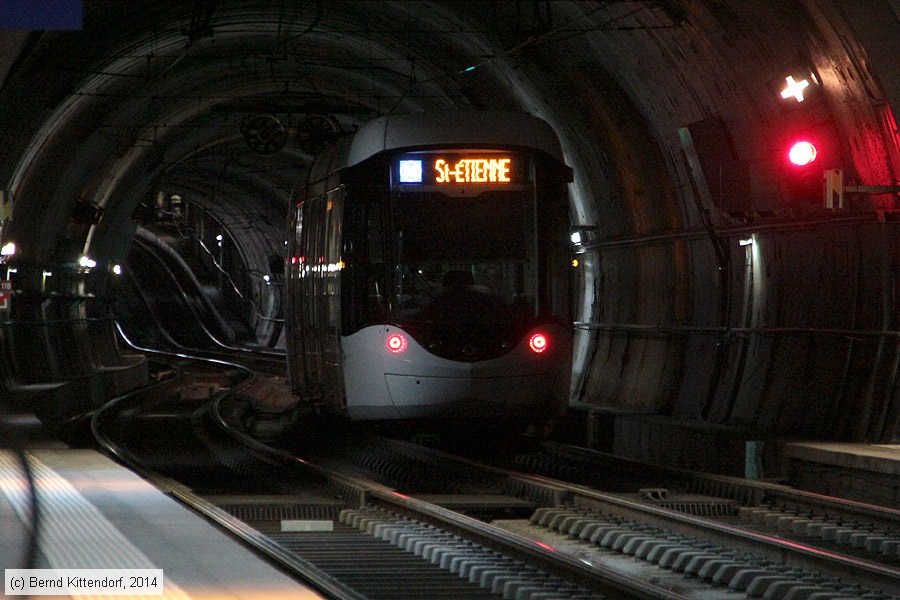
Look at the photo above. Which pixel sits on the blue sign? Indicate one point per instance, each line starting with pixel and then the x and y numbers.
pixel 42 14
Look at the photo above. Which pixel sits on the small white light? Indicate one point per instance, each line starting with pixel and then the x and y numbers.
pixel 87 263
pixel 8 250
pixel 746 242
pixel 576 238
pixel 117 269
pixel 266 278
pixel 48 274
pixel 219 238
pixel 410 171
pixel 794 89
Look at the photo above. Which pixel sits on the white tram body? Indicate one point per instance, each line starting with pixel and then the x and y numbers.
pixel 428 272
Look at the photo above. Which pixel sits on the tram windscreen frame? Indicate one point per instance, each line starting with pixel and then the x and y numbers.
pixel 466 260
pixel 514 229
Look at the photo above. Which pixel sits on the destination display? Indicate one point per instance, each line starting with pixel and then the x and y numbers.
pixel 473 170
pixel 490 169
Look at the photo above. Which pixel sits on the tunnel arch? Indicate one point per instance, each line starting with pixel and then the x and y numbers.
pixel 669 113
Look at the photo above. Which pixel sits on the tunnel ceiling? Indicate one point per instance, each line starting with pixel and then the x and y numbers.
pixel 231 100
pixel 669 111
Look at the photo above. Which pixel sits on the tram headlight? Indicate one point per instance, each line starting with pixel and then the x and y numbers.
pixel 396 343
pixel 538 343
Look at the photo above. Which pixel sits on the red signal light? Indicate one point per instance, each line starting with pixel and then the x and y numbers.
pixel 802 153
pixel 396 343
pixel 538 343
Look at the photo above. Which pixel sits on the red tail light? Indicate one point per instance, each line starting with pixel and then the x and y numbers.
pixel 538 343
pixel 396 343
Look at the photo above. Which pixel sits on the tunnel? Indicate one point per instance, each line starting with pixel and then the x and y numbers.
pixel 722 293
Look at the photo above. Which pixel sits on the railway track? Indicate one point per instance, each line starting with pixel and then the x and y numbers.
pixel 862 530
pixel 859 530
pixel 364 517
pixel 697 556
pixel 344 534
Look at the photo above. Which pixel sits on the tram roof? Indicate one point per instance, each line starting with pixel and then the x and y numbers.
pixel 465 128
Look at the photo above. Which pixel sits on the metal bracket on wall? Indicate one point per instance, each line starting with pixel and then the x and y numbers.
pixel 835 189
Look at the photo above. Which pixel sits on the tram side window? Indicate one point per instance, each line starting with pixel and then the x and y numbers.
pixel 295 274
pixel 554 233
pixel 332 263
pixel 376 291
pixel 303 233
pixel 313 285
pixel 363 291
pixel 310 252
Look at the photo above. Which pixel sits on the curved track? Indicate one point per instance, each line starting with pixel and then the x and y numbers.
pixel 195 449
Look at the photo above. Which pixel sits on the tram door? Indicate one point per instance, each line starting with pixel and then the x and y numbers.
pixel 315 279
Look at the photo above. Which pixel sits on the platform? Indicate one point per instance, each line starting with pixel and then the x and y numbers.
pixel 864 472
pixel 98 515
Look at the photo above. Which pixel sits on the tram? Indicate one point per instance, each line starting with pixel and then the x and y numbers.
pixel 428 270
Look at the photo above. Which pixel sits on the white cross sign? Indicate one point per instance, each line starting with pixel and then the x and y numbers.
pixel 794 88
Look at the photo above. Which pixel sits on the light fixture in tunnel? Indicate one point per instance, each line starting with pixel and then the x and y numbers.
pixel 264 134
pixel 117 269
pixel 8 249
pixel 87 263
pixel 802 153
pixel 582 235
pixel 794 89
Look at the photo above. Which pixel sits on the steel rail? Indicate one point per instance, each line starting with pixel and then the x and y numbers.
pixel 758 489
pixel 599 578
pixel 789 553
pixel 260 543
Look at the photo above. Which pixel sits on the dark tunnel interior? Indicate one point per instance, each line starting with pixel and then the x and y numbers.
pixel 150 160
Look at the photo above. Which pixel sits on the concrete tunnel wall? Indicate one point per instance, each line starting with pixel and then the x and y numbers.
pixel 712 289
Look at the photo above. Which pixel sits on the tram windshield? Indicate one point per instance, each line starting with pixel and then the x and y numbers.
pixel 464 260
